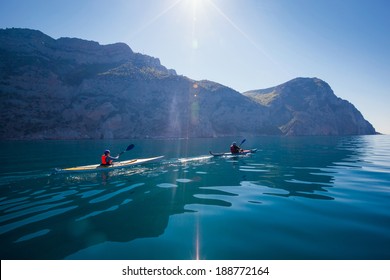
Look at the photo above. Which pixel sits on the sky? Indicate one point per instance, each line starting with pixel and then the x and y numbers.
pixel 242 44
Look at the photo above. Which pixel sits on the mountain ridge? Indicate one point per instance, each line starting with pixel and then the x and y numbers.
pixel 70 88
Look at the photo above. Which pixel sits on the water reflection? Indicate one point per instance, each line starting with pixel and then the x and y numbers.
pixel 56 216
pixel 61 214
pixel 305 167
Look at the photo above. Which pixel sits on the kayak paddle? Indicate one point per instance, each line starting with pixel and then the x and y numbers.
pixel 242 142
pixel 131 146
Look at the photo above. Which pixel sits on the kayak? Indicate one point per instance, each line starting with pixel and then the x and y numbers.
pixel 115 165
pixel 245 152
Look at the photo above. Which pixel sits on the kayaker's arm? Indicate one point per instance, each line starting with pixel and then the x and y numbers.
pixel 113 158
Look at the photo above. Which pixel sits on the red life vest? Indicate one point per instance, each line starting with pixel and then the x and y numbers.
pixel 104 160
pixel 234 149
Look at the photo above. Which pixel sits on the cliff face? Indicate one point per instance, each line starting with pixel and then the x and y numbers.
pixel 74 89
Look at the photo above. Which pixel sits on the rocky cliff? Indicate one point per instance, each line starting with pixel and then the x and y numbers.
pixel 75 89
pixel 308 106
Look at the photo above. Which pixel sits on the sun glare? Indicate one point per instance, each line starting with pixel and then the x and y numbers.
pixel 196 11
pixel 196 3
pixel 201 13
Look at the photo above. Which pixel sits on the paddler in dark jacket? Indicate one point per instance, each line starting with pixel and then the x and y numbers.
pixel 107 159
pixel 234 149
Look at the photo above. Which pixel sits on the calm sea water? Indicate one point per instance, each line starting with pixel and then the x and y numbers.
pixel 296 198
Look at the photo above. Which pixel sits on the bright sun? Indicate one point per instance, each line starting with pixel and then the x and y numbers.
pixel 197 13
pixel 197 7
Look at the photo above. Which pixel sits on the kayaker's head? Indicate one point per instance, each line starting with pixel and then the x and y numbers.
pixel 107 152
pixel 234 144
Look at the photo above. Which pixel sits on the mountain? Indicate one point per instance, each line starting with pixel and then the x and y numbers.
pixel 308 106
pixel 70 88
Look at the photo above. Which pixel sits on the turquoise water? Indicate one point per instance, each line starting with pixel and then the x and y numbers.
pixel 296 198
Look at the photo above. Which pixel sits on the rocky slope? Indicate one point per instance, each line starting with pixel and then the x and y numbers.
pixel 308 106
pixel 75 89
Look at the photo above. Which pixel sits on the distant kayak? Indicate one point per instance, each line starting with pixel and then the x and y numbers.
pixel 245 152
pixel 115 165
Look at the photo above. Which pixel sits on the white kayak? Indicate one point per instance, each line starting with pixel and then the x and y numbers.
pixel 115 165
pixel 244 152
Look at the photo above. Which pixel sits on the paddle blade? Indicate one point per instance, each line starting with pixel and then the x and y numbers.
pixel 127 149
pixel 131 146
pixel 242 142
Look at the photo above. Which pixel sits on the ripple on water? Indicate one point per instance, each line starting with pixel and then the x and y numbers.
pixel 95 213
pixel 166 185
pixel 111 195
pixel 90 193
pixel 36 218
pixel 183 180
pixel 33 235
pixel 32 210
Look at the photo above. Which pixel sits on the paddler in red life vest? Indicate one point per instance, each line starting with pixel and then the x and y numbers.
pixel 107 159
pixel 234 149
